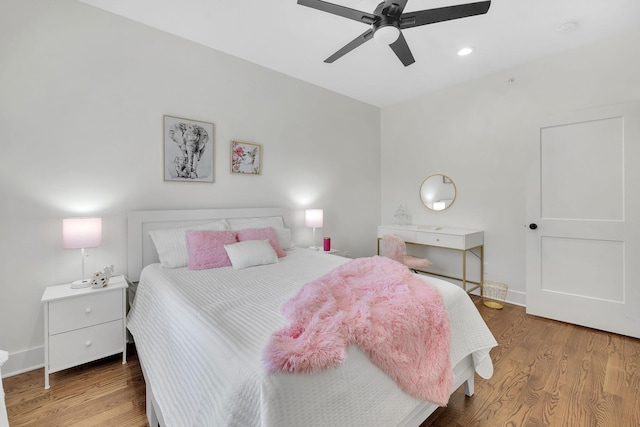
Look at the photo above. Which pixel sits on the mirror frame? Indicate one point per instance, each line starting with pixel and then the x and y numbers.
pixel 445 180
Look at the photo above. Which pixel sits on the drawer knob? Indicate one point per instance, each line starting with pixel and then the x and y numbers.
pixel 437 240
pixel 88 343
pixel 88 310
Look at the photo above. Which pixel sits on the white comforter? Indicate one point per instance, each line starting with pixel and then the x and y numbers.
pixel 200 335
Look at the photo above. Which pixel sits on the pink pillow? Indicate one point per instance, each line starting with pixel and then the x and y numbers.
pixel 267 233
pixel 205 249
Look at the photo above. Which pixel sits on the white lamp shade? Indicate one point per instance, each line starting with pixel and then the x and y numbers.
pixel 80 233
pixel 313 218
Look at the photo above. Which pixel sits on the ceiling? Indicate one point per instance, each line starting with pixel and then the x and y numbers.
pixel 292 39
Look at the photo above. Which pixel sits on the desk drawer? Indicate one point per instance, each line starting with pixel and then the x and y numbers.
pixel 442 240
pixel 84 345
pixel 86 310
pixel 406 235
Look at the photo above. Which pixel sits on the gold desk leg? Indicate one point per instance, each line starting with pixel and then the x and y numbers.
pixel 464 270
pixel 481 270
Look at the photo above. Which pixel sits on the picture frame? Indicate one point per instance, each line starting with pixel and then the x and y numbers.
pixel 246 158
pixel 188 150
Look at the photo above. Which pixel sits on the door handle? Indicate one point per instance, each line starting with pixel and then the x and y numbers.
pixel 533 226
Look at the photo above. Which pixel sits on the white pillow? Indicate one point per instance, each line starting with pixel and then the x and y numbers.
pixel 251 253
pixel 275 222
pixel 171 243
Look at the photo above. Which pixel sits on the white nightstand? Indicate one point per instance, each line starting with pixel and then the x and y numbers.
pixel 82 325
pixel 322 251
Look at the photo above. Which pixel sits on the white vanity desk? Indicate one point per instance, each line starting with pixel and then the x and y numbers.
pixel 459 239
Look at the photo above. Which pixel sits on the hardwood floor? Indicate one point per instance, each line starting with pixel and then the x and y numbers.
pixel 101 393
pixel 547 373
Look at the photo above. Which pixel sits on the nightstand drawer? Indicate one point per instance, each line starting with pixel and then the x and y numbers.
pixel 442 240
pixel 84 345
pixel 82 311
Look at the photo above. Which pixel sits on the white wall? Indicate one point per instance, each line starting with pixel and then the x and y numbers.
pixel 82 95
pixel 478 134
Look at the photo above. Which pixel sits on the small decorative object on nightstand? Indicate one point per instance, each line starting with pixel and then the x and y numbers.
pixel 326 245
pixel 82 325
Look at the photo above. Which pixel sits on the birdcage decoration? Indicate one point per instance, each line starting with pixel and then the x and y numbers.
pixel 494 294
pixel 402 216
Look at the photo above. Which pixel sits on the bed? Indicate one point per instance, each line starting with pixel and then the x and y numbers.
pixel 199 335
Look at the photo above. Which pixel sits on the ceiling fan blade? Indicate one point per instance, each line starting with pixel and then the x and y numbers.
pixel 401 49
pixel 366 36
pixel 335 9
pixel 431 16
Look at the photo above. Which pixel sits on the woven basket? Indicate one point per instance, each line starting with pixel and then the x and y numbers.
pixel 494 294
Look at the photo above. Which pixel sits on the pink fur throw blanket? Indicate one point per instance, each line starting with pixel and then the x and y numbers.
pixel 378 304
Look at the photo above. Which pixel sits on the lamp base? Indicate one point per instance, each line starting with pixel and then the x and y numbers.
pixel 79 284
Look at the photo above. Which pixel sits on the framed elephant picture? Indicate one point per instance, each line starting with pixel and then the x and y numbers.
pixel 188 150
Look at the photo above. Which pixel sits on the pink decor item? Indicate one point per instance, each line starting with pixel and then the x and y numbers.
pixel 205 248
pixel 398 319
pixel 327 244
pixel 262 234
pixel 396 249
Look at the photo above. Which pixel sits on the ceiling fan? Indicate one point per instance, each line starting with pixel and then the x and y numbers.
pixel 387 21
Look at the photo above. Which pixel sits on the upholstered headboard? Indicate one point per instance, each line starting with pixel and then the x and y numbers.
pixel 141 251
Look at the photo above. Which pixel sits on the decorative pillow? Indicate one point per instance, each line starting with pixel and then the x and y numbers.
pixel 261 234
pixel 205 248
pixel 276 222
pixel 171 244
pixel 284 237
pixel 251 253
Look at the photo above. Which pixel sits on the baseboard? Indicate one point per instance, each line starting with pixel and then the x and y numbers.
pixel 23 361
pixel 513 297
pixel 517 298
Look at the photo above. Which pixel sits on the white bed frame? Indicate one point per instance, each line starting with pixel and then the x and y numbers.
pixel 141 252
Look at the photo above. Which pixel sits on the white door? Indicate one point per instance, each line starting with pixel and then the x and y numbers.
pixel 583 236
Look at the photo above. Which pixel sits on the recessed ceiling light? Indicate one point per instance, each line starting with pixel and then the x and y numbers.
pixel 465 51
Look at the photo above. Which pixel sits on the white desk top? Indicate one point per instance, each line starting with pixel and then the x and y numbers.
pixel 432 229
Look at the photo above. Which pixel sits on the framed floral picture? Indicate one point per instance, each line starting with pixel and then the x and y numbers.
pixel 246 158
pixel 188 150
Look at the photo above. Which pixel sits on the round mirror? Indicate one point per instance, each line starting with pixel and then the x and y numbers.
pixel 438 192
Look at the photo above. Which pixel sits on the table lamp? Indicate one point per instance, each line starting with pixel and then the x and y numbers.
pixel 81 233
pixel 313 219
